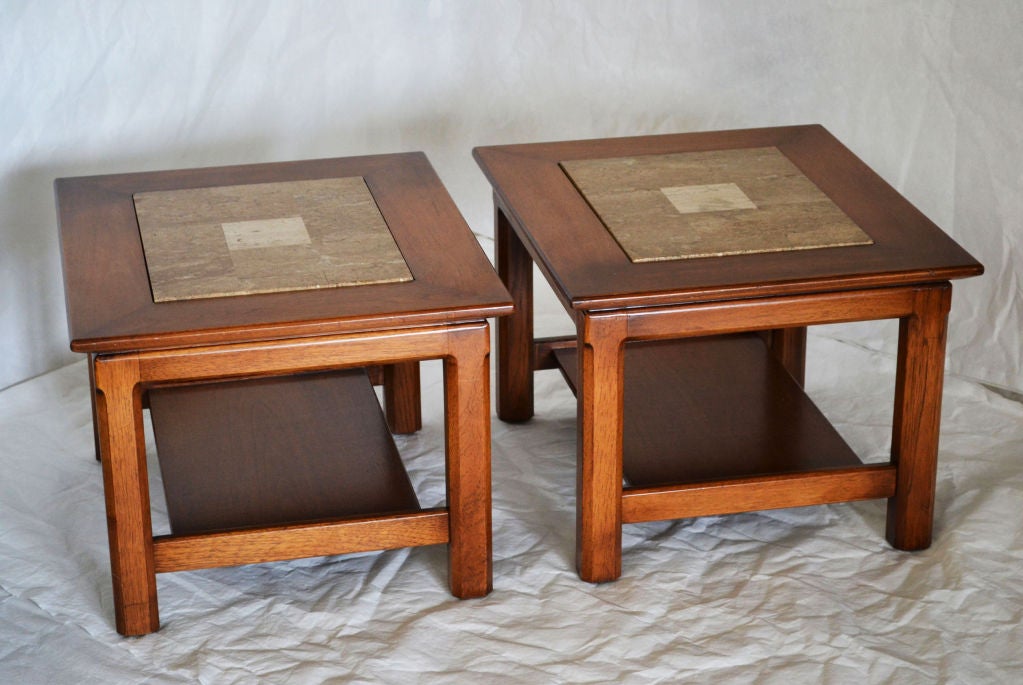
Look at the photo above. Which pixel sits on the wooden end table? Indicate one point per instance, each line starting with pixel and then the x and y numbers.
pixel 688 366
pixel 270 437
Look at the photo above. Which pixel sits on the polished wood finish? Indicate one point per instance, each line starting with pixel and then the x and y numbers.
pixel 220 447
pixel 744 415
pixel 118 400
pixel 599 447
pixel 546 351
pixel 402 405
pixel 759 493
pixel 110 307
pixel 95 414
pixel 122 378
pixel 253 546
pixel 918 382
pixel 514 333
pixel 751 439
pixel 589 271
pixel 789 346
pixel 266 396
pixel 467 457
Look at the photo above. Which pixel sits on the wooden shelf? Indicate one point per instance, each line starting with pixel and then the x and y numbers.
pixel 702 410
pixel 274 451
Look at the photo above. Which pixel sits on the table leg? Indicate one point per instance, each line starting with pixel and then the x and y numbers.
pixel 515 331
pixel 402 403
pixel 467 445
pixel 126 487
pixel 599 463
pixel 92 394
pixel 789 346
pixel 918 385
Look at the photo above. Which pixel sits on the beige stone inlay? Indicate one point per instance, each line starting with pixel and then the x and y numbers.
pixel 710 204
pixel 716 197
pixel 264 238
pixel 250 235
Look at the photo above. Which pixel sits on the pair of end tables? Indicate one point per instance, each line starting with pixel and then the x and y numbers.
pixel 252 308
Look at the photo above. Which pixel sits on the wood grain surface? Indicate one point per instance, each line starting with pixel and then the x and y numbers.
pixel 273 451
pixel 711 426
pixel 111 309
pixel 270 448
pixel 714 408
pixel 589 271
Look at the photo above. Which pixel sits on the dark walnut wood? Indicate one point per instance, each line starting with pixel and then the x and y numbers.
pixel 271 440
pixel 515 368
pixel 702 409
pixel 111 308
pixel 694 423
pixel 589 270
pixel 221 447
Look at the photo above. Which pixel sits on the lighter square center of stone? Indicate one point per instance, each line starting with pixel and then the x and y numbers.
pixel 250 235
pixel 716 197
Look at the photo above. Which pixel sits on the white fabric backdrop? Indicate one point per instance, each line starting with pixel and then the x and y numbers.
pixel 928 92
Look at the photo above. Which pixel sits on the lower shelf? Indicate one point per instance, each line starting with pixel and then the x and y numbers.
pixel 702 410
pixel 273 451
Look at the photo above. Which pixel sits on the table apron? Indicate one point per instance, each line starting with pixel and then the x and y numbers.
pixel 278 357
pixel 682 321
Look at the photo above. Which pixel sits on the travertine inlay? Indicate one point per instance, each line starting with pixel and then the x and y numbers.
pixel 265 238
pixel 710 204
pixel 251 235
pixel 716 197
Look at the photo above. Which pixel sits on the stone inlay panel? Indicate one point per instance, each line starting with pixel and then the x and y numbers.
pixel 710 204
pixel 264 238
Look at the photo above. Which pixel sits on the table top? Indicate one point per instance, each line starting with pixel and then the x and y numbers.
pixel 110 300
pixel 570 228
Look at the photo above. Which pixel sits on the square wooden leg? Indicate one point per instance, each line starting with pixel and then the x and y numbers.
pixel 402 402
pixel 599 462
pixel 467 444
pixel 94 402
pixel 126 486
pixel 514 332
pixel 918 385
pixel 789 347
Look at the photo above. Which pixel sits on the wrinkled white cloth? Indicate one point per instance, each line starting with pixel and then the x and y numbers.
pixel 798 595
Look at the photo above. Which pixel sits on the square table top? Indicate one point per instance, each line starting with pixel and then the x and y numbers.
pixel 696 217
pixel 267 251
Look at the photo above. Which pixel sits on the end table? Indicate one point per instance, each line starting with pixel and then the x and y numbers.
pixel 691 265
pixel 243 305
